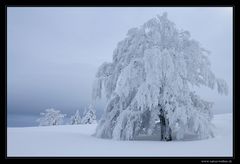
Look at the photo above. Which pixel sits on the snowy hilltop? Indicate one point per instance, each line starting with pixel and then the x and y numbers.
pixel 147 85
pixel 77 141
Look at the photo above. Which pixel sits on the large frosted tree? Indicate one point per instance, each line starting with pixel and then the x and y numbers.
pixel 148 85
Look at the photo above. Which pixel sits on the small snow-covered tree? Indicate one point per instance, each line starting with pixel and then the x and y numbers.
pixel 51 117
pixel 89 116
pixel 147 85
pixel 76 118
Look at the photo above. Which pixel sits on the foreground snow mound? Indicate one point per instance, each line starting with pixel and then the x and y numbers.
pixel 77 140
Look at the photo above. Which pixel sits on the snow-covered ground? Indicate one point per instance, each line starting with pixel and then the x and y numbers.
pixel 77 140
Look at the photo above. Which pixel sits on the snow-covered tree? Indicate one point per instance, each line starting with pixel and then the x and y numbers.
pixel 76 118
pixel 147 85
pixel 51 117
pixel 89 115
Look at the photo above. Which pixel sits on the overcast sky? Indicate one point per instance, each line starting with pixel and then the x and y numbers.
pixel 53 53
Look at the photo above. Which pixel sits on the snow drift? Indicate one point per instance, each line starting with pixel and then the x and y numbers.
pixel 77 141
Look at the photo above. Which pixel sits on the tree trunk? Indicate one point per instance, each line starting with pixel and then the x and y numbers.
pixel 168 136
pixel 164 126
